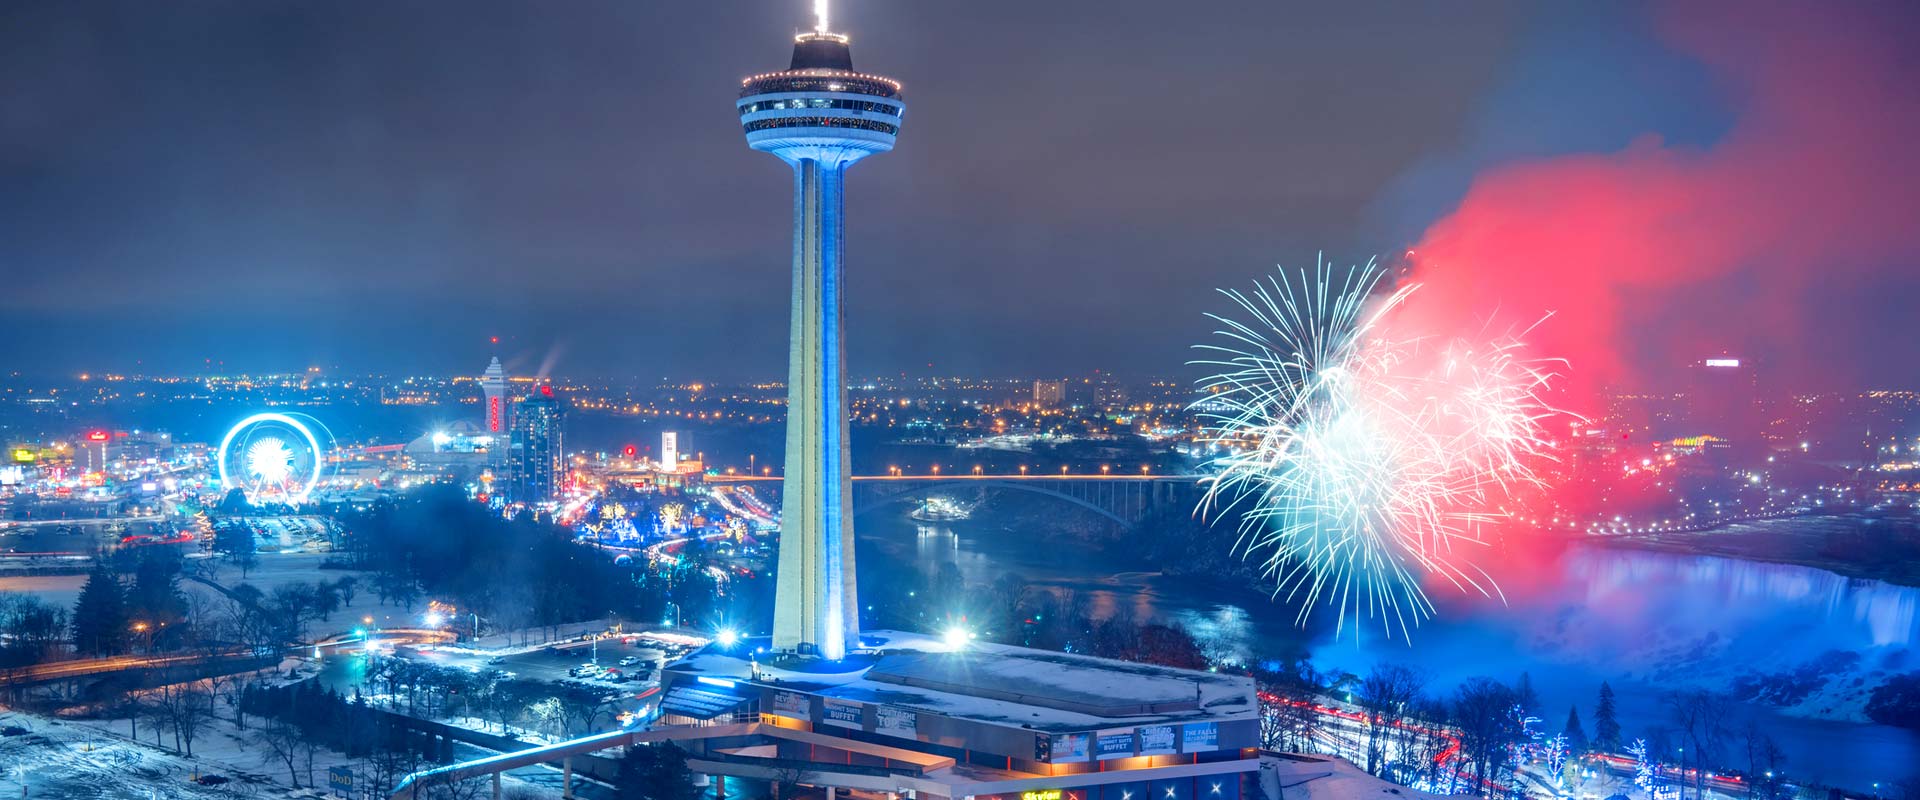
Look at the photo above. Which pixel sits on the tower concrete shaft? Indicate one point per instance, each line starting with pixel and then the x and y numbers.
pixel 820 117
pixel 816 607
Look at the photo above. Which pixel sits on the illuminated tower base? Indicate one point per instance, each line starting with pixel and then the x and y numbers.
pixel 820 117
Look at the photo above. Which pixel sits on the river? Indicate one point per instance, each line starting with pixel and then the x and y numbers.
pixel 1645 622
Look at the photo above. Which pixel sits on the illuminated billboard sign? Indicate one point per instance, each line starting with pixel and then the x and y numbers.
pixel 1723 362
pixel 98 436
pixel 23 455
pixel 1158 740
pixel 896 722
pixel 1070 747
pixel 1199 737
pixel 1114 743
pixel 791 704
pixel 670 451
pixel 841 713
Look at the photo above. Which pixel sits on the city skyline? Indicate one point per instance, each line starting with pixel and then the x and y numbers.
pixel 1580 399
pixel 1119 282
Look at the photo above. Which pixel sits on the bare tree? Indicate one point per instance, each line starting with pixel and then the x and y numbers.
pixel 787 781
pixel 283 740
pixel 444 787
pixel 155 714
pixel 1483 709
pixel 1764 759
pixel 1385 694
pixel 1432 740
pixel 185 707
pixel 546 715
pixel 1702 718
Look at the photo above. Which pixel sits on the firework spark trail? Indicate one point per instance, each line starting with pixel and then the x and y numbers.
pixel 1362 461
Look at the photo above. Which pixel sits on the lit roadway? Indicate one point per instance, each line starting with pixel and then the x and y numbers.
pixel 77 668
pixel 96 666
pixel 78 521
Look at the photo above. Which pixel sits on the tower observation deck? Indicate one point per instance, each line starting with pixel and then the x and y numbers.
pixel 819 116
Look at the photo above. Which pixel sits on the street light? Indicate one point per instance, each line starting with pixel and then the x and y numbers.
pixel 956 637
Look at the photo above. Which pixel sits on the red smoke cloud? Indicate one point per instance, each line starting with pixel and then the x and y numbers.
pixel 1817 182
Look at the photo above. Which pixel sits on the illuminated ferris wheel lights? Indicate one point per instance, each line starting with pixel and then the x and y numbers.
pixel 270 461
pixel 273 456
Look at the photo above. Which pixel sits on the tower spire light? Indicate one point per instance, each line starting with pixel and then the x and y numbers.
pixel 820 14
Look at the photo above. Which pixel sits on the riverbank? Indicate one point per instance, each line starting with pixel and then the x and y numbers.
pixel 1649 621
pixel 1849 545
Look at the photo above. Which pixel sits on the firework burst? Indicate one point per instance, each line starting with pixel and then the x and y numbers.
pixel 1364 463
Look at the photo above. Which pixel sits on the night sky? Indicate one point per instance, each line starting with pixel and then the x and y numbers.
pixel 383 186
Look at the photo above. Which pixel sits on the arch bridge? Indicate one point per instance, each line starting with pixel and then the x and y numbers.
pixel 1124 499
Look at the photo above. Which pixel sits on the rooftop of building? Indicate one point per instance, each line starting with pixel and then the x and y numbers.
pixel 821 51
pixel 994 683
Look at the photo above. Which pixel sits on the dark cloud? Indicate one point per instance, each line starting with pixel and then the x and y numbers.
pixel 275 184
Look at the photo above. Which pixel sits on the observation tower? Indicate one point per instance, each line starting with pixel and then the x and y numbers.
pixel 819 116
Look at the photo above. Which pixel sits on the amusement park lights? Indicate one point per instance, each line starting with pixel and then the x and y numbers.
pixel 270 460
pixel 267 461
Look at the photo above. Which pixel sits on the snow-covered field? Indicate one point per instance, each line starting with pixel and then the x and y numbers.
pixel 67 760
pixel 94 760
pixel 280 569
pixel 60 590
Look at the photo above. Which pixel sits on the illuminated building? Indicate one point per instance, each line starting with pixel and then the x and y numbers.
pixel 670 452
pixel 536 457
pixel 819 116
pixel 949 717
pixel 1049 394
pixel 498 415
pixel 1722 400
pixel 461 444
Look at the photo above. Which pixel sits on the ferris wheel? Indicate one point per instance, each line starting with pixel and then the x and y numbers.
pixel 274 457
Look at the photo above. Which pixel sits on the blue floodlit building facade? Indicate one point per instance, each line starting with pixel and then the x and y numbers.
pixel 537 461
pixel 819 116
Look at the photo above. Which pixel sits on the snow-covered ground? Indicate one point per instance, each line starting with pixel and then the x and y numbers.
pixel 65 760
pixel 60 590
pixel 279 569
pixel 94 760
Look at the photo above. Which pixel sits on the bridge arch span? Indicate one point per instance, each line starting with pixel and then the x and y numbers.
pixel 862 506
